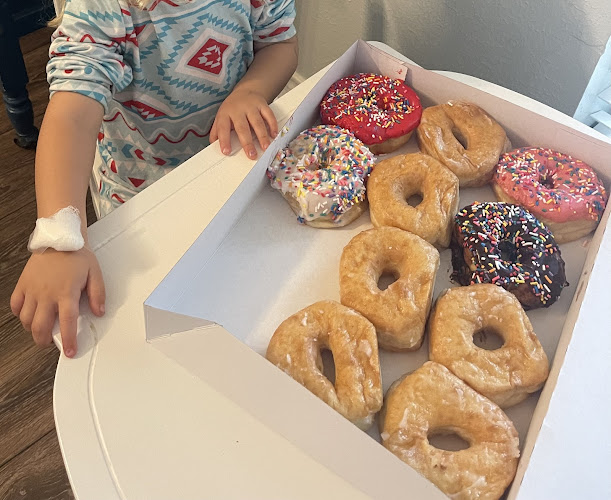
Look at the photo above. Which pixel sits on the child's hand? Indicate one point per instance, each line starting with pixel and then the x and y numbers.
pixel 242 110
pixel 50 284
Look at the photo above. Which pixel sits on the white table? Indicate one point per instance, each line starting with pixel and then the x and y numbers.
pixel 194 439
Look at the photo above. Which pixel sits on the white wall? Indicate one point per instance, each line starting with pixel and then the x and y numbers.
pixel 545 49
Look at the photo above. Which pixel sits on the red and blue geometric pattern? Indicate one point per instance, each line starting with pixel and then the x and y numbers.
pixel 161 73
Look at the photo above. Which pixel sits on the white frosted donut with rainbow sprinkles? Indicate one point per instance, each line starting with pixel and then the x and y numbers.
pixel 322 174
pixel 562 192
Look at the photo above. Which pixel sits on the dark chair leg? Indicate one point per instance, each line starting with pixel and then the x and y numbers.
pixel 14 79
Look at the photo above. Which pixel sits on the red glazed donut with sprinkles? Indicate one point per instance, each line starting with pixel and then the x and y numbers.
pixel 322 175
pixel 562 192
pixel 380 111
pixel 504 244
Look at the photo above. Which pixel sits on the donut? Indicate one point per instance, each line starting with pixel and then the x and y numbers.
pixel 396 179
pixel 398 313
pixel 465 139
pixel 506 375
pixel 432 401
pixel 381 111
pixel 322 174
pixel 503 244
pixel 562 192
pixel 296 347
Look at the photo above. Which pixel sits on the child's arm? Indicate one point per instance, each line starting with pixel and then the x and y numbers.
pixel 248 105
pixel 51 282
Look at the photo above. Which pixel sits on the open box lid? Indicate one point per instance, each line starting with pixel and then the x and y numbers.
pixel 212 353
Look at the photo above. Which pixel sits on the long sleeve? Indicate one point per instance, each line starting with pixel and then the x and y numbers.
pixel 273 20
pixel 87 50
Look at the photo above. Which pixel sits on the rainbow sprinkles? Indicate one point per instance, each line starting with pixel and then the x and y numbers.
pixel 324 169
pixel 507 246
pixel 552 185
pixel 374 108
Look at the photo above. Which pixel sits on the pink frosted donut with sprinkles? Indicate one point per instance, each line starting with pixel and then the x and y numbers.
pixel 380 111
pixel 562 192
pixel 322 175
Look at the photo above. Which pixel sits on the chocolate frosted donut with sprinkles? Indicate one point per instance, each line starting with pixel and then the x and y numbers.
pixel 562 192
pixel 382 112
pixel 322 175
pixel 504 244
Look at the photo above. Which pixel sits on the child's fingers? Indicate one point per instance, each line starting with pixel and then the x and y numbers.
pixel 96 291
pixel 242 128
pixel 258 125
pixel 223 131
pixel 213 136
pixel 270 118
pixel 68 316
pixel 26 315
pixel 43 322
pixel 17 299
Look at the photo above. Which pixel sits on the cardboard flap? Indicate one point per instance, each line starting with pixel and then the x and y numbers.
pixel 287 408
pixel 159 322
pixel 370 59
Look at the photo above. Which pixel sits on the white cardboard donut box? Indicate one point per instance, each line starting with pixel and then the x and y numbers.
pixel 253 266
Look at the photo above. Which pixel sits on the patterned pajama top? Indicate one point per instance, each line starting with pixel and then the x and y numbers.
pixel 160 73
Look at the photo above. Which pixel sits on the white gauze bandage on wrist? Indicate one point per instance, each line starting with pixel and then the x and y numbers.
pixel 61 231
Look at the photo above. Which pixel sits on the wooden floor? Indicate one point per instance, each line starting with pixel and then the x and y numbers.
pixel 31 465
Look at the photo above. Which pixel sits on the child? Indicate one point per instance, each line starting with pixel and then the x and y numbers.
pixel 152 81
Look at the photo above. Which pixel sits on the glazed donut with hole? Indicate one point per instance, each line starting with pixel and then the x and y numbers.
pixel 399 312
pixel 506 375
pixel 396 179
pixel 465 138
pixel 296 348
pixel 432 401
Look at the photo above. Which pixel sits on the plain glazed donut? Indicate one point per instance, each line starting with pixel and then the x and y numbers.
pixel 396 179
pixel 431 400
pixel 562 192
pixel 398 313
pixel 322 175
pixel 381 111
pixel 507 246
pixel 296 345
pixel 506 375
pixel 485 140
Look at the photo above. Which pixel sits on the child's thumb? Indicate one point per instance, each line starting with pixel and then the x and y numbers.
pixel 96 291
